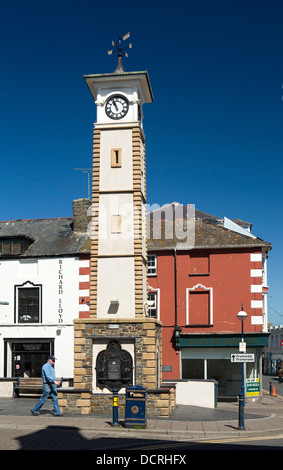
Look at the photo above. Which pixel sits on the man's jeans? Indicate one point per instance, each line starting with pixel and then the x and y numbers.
pixel 48 389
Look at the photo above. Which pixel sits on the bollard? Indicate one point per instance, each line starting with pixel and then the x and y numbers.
pixel 115 408
pixel 241 425
pixel 270 388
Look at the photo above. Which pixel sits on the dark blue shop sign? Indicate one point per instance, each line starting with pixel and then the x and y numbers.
pixel 256 340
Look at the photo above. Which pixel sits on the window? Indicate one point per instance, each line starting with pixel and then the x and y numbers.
pixel 152 265
pixel 199 306
pixel 199 264
pixel 27 358
pixel 152 310
pixel 11 246
pixel 6 247
pixel 14 246
pixel 229 379
pixel 28 303
pixel 116 158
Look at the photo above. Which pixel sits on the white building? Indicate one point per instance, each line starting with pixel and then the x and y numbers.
pixel 273 352
pixel 41 262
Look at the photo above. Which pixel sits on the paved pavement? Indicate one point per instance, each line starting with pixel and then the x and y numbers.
pixel 264 418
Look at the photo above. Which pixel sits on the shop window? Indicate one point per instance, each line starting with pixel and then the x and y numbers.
pixel 199 264
pixel 193 369
pixel 27 358
pixel 228 378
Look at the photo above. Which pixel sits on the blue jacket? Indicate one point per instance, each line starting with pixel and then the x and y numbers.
pixel 48 373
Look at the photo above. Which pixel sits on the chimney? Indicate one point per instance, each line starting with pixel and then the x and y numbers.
pixel 81 219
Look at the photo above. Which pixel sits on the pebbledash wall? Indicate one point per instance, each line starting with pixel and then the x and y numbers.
pixel 142 338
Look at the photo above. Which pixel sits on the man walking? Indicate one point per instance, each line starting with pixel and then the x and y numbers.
pixel 48 387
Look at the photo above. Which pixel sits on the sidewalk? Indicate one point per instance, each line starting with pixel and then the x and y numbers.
pixel 186 423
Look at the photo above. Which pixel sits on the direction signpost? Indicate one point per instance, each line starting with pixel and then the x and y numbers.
pixel 241 316
pixel 242 357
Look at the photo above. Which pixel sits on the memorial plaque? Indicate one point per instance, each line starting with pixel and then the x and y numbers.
pixel 114 367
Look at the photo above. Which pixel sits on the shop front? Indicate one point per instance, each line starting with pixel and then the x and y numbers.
pixel 207 357
pixel 25 357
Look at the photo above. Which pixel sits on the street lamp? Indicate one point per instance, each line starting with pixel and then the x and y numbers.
pixel 177 333
pixel 242 316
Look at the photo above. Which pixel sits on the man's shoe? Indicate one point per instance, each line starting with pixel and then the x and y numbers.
pixel 34 413
pixel 59 414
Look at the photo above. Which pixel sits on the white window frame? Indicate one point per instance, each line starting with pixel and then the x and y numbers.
pixel 28 285
pixel 205 289
pixel 151 290
pixel 153 267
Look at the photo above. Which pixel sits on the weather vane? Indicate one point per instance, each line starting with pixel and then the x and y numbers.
pixel 121 51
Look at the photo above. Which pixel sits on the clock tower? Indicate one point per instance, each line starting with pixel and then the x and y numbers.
pixel 118 235
pixel 118 344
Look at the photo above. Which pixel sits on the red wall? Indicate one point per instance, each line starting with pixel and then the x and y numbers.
pixel 230 279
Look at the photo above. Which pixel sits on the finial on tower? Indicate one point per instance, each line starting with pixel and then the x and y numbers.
pixel 121 51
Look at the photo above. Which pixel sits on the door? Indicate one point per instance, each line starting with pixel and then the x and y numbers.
pixel 29 357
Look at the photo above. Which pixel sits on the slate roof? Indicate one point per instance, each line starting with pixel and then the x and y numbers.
pixel 55 237
pixel 50 237
pixel 205 231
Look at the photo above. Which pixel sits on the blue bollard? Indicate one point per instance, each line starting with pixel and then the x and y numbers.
pixel 115 408
pixel 241 425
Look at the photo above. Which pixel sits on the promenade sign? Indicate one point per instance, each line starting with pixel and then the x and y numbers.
pixel 242 357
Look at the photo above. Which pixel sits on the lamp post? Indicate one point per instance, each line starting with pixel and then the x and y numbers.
pixel 177 333
pixel 242 316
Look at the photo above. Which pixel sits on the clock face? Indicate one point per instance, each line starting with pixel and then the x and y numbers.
pixel 116 107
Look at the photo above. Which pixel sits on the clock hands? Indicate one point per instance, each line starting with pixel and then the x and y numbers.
pixel 115 104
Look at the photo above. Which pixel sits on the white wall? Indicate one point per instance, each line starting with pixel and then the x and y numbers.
pixel 196 393
pixel 116 280
pixel 59 278
pixel 113 244
pixel 116 179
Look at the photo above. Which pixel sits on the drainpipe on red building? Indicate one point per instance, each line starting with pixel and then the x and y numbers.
pixel 177 328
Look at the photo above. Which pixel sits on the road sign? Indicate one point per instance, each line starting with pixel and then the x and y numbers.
pixel 242 357
pixel 243 347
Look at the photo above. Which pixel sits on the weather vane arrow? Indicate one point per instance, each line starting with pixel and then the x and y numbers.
pixel 120 50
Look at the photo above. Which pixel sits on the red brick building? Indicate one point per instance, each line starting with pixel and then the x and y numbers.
pixel 197 293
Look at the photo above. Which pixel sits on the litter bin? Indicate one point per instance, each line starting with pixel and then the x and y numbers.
pixel 135 415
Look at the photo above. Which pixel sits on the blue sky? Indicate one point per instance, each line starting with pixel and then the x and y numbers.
pixel 213 133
